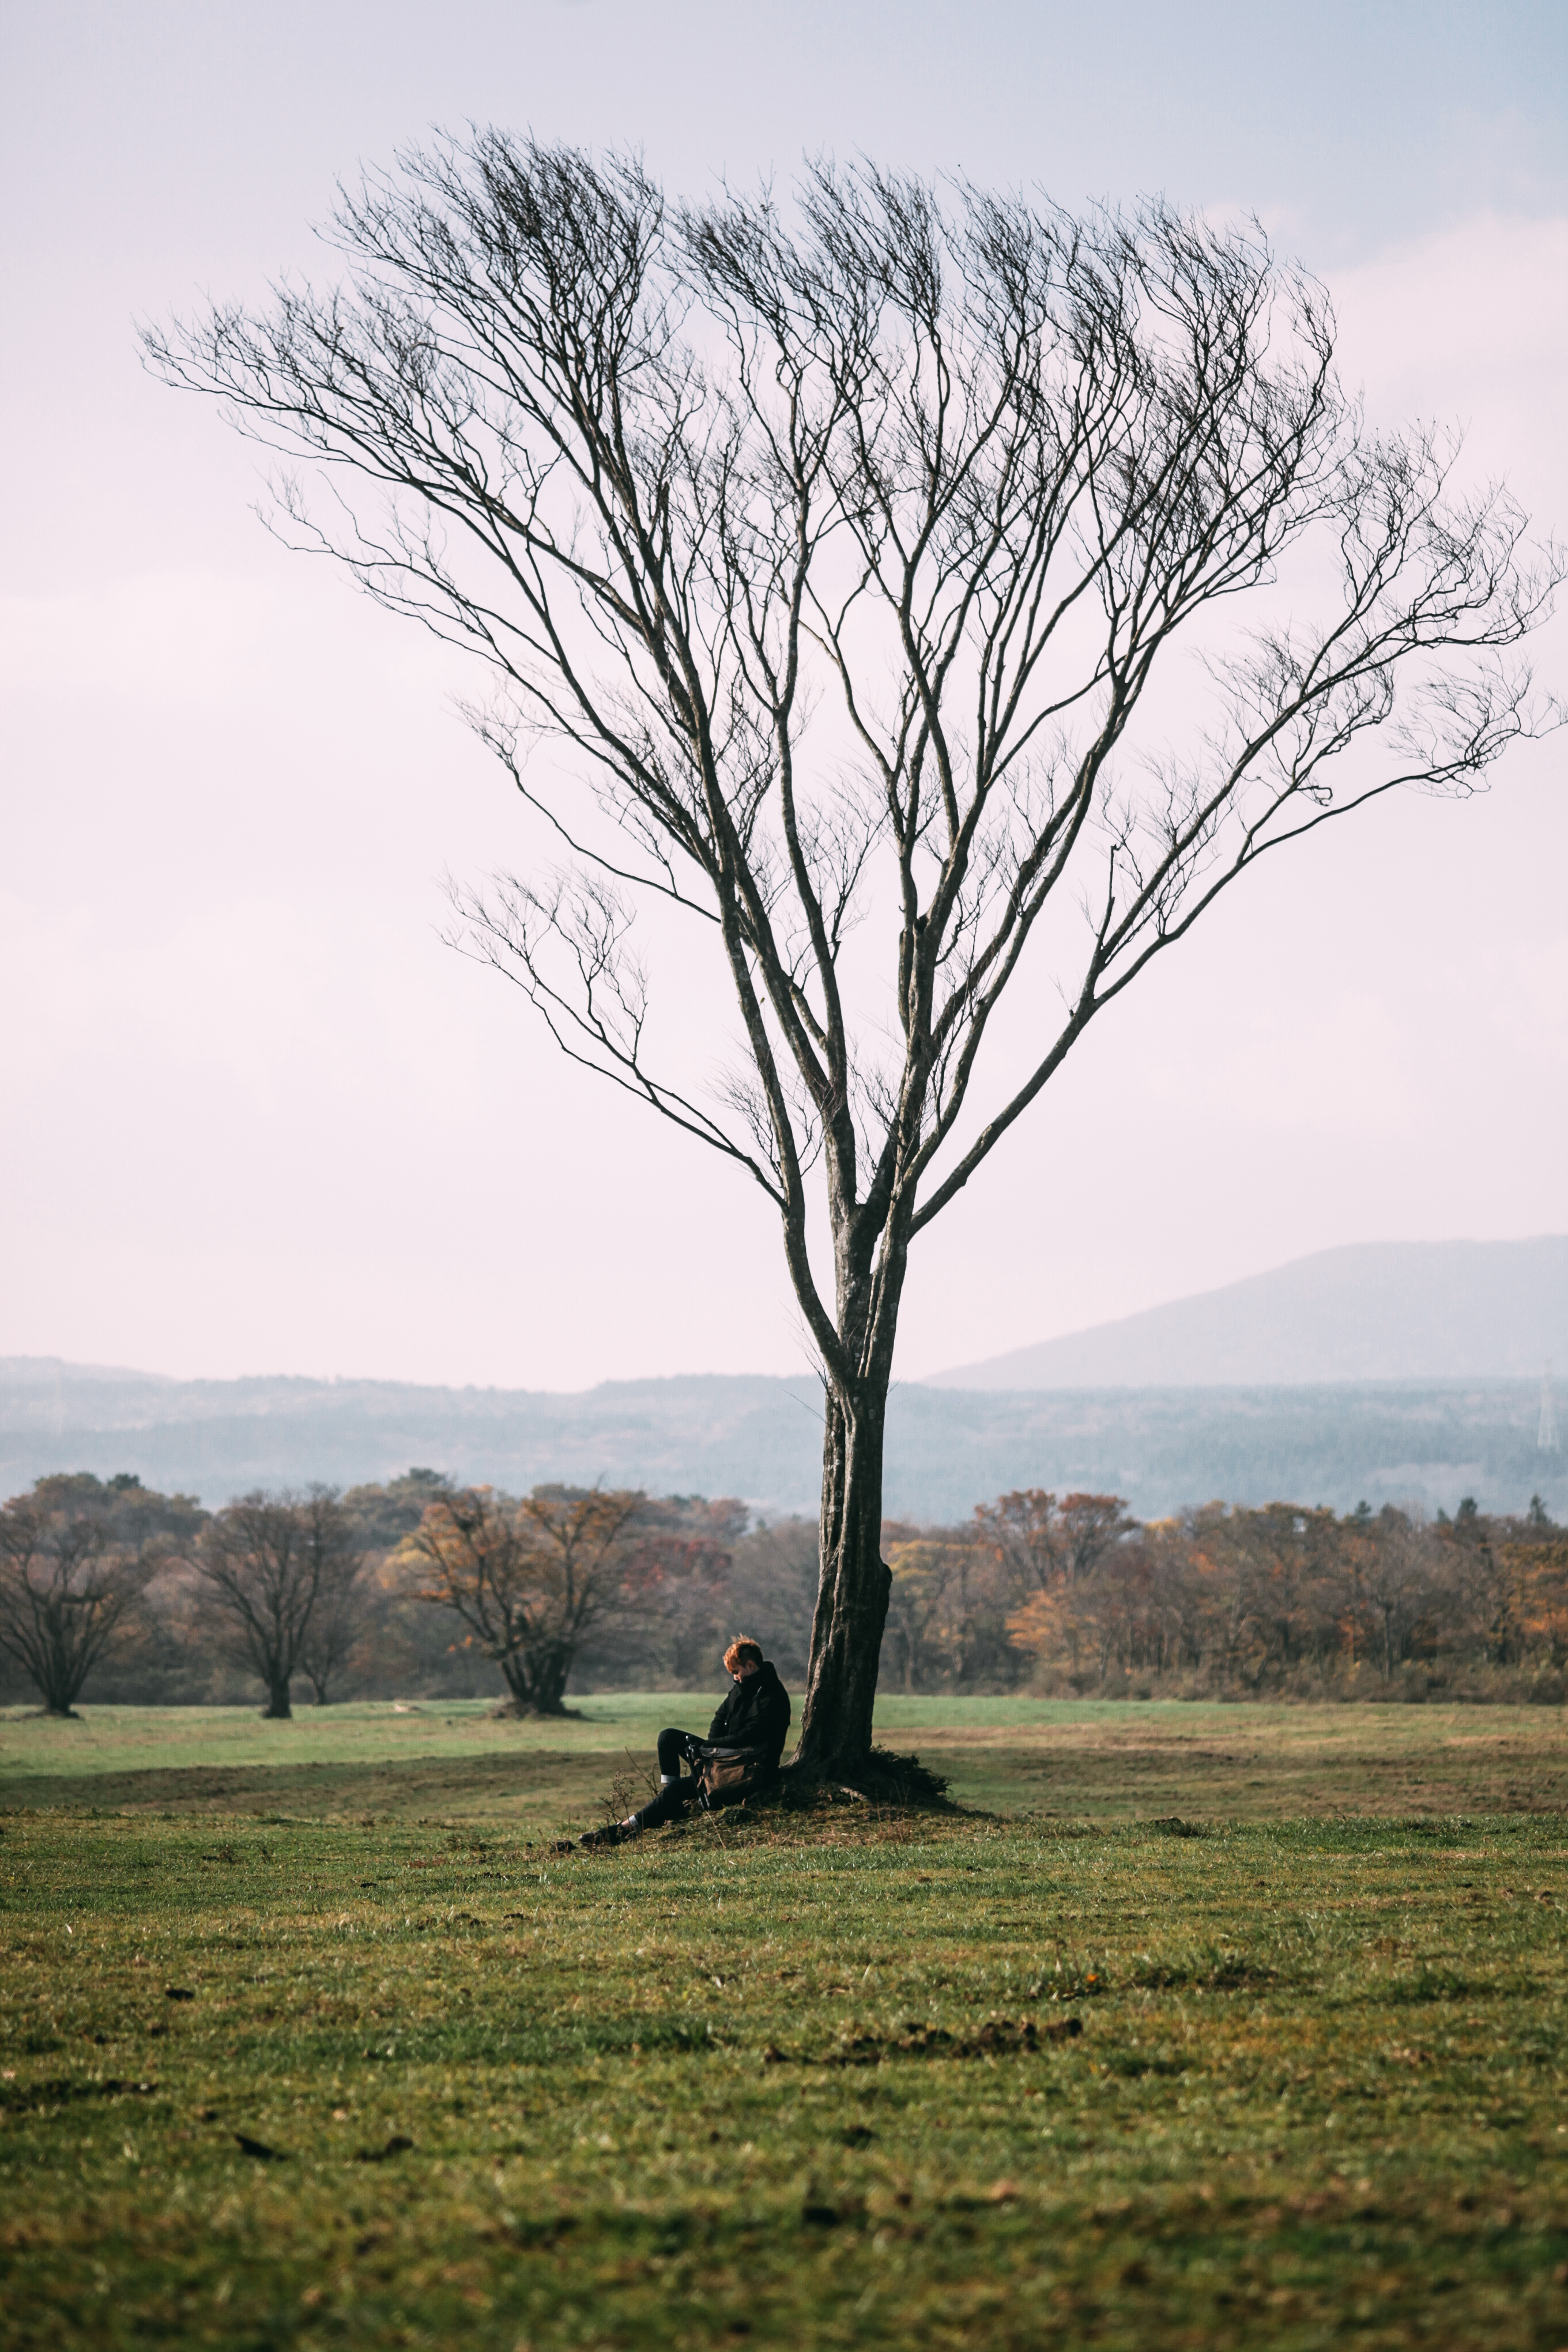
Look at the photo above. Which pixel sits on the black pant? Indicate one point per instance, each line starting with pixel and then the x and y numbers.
pixel 671 1801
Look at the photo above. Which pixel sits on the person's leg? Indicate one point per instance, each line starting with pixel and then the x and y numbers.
pixel 671 1800
pixel 668 1806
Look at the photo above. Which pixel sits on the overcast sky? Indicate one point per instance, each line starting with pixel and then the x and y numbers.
pixel 258 1119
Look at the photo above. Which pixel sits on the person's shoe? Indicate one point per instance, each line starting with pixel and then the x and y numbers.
pixel 613 1834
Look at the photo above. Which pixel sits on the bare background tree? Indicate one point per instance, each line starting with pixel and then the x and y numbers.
pixel 75 1556
pixel 268 1564
pixel 949 476
pixel 335 1627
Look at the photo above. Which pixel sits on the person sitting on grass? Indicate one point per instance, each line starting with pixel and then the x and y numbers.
pixel 751 1723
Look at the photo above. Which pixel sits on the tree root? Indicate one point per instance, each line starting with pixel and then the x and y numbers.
pixel 885 1779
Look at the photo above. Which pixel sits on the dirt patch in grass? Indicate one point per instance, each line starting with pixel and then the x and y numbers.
pixel 999 2037
pixel 533 1780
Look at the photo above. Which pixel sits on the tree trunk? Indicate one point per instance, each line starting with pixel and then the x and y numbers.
pixel 549 1692
pixel 57 1688
pixel 537 1685
pixel 277 1709
pixel 852 1597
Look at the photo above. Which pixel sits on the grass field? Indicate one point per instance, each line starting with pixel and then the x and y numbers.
pixel 1206 2027
pixel 455 1759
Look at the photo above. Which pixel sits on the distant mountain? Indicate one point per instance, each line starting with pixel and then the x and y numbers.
pixel 1373 1311
pixel 947 1449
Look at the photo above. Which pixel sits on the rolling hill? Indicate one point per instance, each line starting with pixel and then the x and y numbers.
pixel 1373 1311
pixel 1401 1371
pixel 1428 1442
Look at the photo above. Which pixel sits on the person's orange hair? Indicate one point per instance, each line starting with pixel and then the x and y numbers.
pixel 740 1649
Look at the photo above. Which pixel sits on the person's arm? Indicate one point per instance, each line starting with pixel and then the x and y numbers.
pixel 720 1723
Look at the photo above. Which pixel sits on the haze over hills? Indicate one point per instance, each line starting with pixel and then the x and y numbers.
pixel 1256 1393
pixel 1372 1311
pixel 947 1449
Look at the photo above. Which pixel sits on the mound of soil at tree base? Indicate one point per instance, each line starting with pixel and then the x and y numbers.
pixel 886 1779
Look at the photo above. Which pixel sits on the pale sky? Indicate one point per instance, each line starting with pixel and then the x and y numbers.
pixel 258 1119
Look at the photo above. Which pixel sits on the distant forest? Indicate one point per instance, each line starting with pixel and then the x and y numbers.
pixel 115 1594
pixel 1421 1445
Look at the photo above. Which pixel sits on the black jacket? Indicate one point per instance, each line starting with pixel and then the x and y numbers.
pixel 755 1715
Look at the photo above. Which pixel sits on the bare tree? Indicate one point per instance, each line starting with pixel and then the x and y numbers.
pixel 772 1591
pixel 953 474
pixel 70 1579
pixel 531 1579
pixel 679 1567
pixel 336 1625
pixel 271 1565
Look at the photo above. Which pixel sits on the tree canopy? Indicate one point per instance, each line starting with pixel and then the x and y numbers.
pixel 833 551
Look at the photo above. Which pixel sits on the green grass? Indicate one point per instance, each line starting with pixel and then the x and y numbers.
pixel 771 2080
pixel 455 1760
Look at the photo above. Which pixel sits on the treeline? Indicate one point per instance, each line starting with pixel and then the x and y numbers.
pixel 1075 1597
pixel 414 1588
pixel 421 1588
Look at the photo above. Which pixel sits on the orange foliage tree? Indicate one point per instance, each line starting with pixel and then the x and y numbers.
pixel 531 1577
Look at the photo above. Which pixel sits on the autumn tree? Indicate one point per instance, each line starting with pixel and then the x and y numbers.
pixel 679 1565
pixel 1395 1577
pixel 925 1604
pixel 75 1556
pixel 1487 1582
pixel 772 1588
pixel 384 1515
pixel 1023 1530
pixel 1193 1591
pixel 836 555
pixel 1044 1542
pixel 1541 1563
pixel 1081 1581
pixel 530 1579
pixel 278 1574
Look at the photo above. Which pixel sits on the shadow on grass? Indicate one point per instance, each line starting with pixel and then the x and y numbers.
pixel 532 1777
